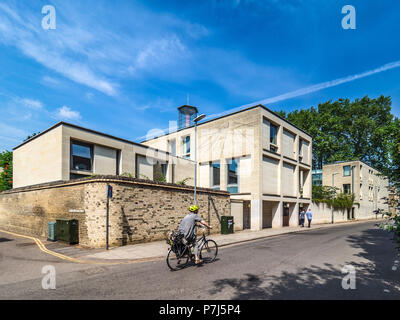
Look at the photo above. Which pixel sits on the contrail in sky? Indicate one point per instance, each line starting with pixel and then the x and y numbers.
pixel 314 88
pixel 307 90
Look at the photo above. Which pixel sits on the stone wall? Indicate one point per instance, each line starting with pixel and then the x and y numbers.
pixel 140 211
pixel 322 214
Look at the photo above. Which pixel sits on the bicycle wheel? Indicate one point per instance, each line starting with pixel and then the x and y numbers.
pixel 175 263
pixel 209 251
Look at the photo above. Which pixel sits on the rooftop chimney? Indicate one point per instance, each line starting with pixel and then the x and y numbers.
pixel 186 116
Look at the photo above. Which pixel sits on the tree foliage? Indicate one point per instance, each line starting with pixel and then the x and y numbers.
pixel 343 130
pixel 6 179
pixel 331 196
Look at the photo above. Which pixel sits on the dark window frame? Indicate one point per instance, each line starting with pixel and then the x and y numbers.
pixel 212 163
pixel 233 185
pixel 346 175
pixel 118 164
pixel 186 154
pixel 349 188
pixel 83 144
pixel 273 125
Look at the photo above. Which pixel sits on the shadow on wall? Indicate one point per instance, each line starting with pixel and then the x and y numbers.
pixel 126 229
pixel 374 278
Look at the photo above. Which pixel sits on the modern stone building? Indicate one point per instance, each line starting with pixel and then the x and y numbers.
pixel 366 183
pixel 66 152
pixel 260 158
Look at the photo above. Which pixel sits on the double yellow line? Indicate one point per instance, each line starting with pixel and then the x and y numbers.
pixel 43 248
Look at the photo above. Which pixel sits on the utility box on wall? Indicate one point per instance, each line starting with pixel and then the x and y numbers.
pixel 67 231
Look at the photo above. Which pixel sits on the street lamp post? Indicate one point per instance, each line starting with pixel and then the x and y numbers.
pixel 333 194
pixel 352 187
pixel 197 119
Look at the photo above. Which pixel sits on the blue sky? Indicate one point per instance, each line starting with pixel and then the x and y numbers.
pixel 123 67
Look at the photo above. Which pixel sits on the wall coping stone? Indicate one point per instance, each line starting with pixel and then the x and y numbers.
pixel 112 179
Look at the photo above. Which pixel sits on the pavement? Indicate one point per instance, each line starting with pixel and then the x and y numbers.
pixel 158 249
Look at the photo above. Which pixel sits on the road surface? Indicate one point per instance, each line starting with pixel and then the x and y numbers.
pixel 304 265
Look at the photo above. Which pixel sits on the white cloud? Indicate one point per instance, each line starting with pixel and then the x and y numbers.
pixel 160 52
pixel 98 55
pixel 34 104
pixel 54 49
pixel 50 80
pixel 66 113
pixel 13 132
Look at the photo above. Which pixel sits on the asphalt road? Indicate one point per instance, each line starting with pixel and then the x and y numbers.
pixel 305 265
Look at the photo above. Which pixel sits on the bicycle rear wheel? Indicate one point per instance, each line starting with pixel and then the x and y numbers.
pixel 209 251
pixel 175 263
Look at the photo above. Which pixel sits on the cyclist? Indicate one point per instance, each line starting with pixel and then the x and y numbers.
pixel 188 228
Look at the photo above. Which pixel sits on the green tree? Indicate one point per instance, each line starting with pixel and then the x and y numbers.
pixel 363 129
pixel 6 178
pixel 31 136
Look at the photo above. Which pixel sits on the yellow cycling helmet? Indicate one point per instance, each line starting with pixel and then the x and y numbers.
pixel 193 208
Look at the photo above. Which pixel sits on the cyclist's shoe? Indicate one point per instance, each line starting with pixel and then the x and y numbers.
pixel 198 261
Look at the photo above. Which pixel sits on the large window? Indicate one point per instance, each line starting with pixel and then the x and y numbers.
pixel 233 176
pixel 346 171
pixel 215 175
pixel 346 188
pixel 186 147
pixel 273 134
pixel 273 138
pixel 81 156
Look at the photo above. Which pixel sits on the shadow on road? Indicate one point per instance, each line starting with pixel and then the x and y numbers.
pixel 374 278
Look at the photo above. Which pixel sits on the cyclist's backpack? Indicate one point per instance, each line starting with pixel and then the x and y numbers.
pixel 176 242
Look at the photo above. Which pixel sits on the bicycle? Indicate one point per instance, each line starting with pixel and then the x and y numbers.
pixel 180 254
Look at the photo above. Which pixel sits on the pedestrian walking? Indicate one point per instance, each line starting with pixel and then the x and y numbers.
pixel 302 217
pixel 309 217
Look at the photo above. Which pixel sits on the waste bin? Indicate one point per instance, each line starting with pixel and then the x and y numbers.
pixel 67 231
pixel 227 225
pixel 51 231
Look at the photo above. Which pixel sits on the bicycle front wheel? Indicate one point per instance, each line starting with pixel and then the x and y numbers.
pixel 175 263
pixel 209 251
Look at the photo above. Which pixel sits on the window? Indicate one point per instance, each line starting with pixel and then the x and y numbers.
pixel 346 188
pixel 215 175
pixel 81 156
pixel 346 171
pixel 118 160
pixel 164 168
pixel 273 133
pixel 300 150
pixel 74 176
pixel 160 172
pixel 186 147
pixel 273 149
pixel 317 179
pixel 233 176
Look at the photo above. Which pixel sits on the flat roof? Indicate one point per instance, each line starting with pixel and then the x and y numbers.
pixel 94 132
pixel 236 112
pixel 349 161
